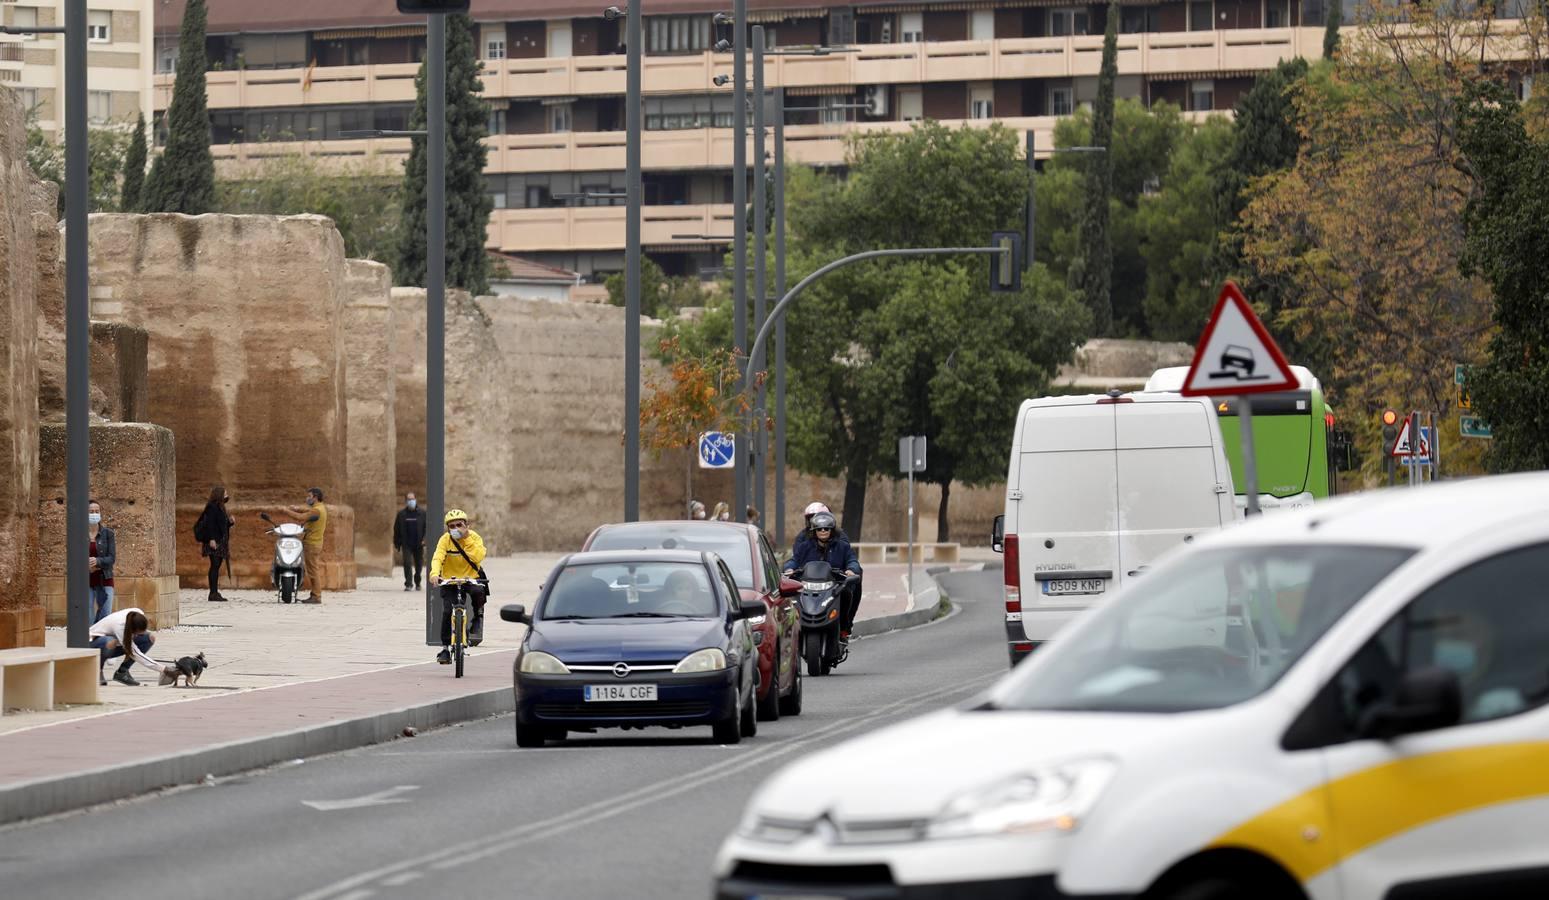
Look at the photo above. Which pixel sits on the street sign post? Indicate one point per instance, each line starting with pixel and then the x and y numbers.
pixel 911 459
pixel 1473 427
pixel 717 450
pixel 1237 357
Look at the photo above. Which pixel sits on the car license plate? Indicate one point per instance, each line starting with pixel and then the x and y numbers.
pixel 1066 586
pixel 603 693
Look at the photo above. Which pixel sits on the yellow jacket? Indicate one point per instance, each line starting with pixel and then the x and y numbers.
pixel 448 563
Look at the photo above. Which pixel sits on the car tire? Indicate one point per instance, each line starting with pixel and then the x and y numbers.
pixel 748 720
pixel 1214 887
pixel 790 704
pixel 530 735
pixel 769 706
pixel 729 729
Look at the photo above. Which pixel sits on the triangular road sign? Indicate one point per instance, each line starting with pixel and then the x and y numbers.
pixel 1235 354
pixel 1404 445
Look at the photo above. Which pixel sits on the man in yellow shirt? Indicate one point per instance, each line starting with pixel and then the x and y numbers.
pixel 458 555
pixel 314 522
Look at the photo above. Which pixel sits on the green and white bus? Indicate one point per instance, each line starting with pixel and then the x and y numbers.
pixel 1298 447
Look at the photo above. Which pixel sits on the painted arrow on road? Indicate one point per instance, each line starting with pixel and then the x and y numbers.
pixel 380 798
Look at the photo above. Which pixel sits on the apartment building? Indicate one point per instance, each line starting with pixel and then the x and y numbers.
pixel 119 39
pixel 288 75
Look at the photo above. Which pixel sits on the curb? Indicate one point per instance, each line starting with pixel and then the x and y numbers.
pixel 898 621
pixel 51 796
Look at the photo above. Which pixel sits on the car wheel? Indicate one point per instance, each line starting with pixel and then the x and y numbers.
pixel 790 704
pixel 769 707
pixel 729 729
pixel 749 717
pixel 529 735
pixel 1211 888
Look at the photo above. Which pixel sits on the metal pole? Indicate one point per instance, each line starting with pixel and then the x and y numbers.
pixel 633 39
pixel 1250 461
pixel 760 234
pixel 435 306
pixel 739 203
pixel 1032 200
pixel 77 332
pixel 779 174
pixel 911 522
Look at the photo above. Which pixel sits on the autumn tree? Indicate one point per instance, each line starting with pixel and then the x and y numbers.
pixel 698 393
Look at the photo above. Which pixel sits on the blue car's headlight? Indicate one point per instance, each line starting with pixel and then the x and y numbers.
pixel 536 662
pixel 710 659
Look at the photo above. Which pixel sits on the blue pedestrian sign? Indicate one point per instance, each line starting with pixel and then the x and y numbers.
pixel 717 450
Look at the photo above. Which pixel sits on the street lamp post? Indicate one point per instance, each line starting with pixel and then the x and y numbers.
pixel 779 174
pixel 435 302
pixel 634 37
pixel 739 205
pixel 1032 194
pixel 760 234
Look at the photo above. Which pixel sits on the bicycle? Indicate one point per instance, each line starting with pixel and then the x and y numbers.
pixel 459 621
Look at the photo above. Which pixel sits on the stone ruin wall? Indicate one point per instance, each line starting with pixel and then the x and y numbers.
pixel 246 367
pixel 369 403
pixel 21 615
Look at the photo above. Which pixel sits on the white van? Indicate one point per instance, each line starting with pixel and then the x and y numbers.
pixel 1098 487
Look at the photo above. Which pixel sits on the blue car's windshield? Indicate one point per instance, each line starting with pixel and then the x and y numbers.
pixel 729 544
pixel 636 589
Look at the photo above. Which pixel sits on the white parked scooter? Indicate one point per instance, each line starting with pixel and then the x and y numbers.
pixel 286 571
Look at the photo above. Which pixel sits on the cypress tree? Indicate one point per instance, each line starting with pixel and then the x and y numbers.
pixel 1336 16
pixel 468 202
pixel 183 178
pixel 134 169
pixel 1091 272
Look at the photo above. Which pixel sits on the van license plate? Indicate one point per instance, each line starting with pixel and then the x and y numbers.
pixel 602 693
pixel 1074 586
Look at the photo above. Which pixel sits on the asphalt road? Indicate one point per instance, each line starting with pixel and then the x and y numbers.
pixel 461 812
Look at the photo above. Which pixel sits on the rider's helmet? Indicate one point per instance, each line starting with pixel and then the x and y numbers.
pixel 452 515
pixel 824 519
pixel 813 509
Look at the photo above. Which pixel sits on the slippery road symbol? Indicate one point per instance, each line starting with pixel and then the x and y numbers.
pixel 1237 364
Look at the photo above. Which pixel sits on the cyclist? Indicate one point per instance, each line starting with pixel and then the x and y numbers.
pixel 458 555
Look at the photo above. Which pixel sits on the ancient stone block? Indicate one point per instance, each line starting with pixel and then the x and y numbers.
pixel 21 617
pixel 369 403
pixel 133 475
pixel 245 359
pixel 118 372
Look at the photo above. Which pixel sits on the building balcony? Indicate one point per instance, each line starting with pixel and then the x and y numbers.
pixel 562 228
pixel 1007 58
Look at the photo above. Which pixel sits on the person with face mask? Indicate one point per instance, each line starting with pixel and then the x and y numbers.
pixel 314 522
pixel 458 555
pixel 213 532
pixel 409 539
pixel 101 556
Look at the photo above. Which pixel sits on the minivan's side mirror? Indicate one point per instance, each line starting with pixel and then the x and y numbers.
pixel 750 609
pixel 515 612
pixel 1426 699
pixel 998 534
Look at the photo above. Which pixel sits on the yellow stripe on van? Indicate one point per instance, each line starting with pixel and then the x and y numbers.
pixel 1365 808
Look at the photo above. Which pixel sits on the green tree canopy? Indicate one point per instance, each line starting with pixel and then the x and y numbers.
pixel 134 168
pixel 1179 225
pixel 182 178
pixel 361 198
pixel 1091 271
pixel 660 296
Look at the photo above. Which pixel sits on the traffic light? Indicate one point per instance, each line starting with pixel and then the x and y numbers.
pixel 432 7
pixel 1389 431
pixel 1006 266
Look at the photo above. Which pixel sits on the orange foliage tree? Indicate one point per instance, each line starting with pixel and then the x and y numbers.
pixel 697 394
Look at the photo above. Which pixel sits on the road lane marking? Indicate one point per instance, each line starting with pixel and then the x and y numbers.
pixel 403 879
pixel 380 798
pixel 612 806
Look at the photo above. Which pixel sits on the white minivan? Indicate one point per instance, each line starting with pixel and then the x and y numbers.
pixel 1098 487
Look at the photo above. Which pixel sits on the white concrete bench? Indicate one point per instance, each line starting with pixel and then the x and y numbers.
pixel 882 552
pixel 41 677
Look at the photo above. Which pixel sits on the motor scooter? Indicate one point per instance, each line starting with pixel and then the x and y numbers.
pixel 287 570
pixel 820 604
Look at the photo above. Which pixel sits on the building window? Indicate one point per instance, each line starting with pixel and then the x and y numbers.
pixel 981 25
pixel 495 47
pixel 99 106
pixel 1277 14
pixel 678 34
pixel 1068 21
pixel 166 59
pixel 1201 15
pixel 911 105
pixel 497 121
pixel 559 40
pixel 911 28
pixel 1061 101
pixel 538 196
pixel 981 102
pixel 560 118
pixel 29 99
pixel 99 26
pixel 25 17
pixel 703 111
pixel 498 199
pixel 1202 96
pixel 1140 20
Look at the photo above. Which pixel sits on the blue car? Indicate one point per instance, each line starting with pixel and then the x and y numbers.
pixel 629 639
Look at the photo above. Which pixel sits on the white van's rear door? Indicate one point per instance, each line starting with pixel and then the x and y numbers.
pixel 1170 481
pixel 1067 523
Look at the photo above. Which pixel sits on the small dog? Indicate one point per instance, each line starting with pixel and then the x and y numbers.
pixel 189 668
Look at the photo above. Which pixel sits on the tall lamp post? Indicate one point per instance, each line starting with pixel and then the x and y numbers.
pixel 634 36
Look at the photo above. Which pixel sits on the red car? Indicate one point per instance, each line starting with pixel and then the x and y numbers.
pixel 778 634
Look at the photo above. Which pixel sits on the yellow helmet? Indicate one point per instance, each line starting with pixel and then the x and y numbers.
pixel 452 515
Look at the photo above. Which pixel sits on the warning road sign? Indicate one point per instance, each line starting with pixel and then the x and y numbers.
pixel 1407 446
pixel 1235 354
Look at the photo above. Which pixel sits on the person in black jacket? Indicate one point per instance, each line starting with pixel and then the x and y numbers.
pixel 101 555
pixel 409 538
pixel 828 544
pixel 213 531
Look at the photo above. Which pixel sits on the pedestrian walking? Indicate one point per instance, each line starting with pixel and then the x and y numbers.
pixel 409 539
pixel 213 532
pixel 126 633
pixel 101 556
pixel 696 510
pixel 314 522
pixel 722 512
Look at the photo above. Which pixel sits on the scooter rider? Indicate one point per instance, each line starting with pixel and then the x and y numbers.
pixel 829 545
pixel 458 555
pixel 805 535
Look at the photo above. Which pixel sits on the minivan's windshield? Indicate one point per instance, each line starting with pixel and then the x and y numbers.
pixel 1213 628
pixel 655 590
pixel 730 544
